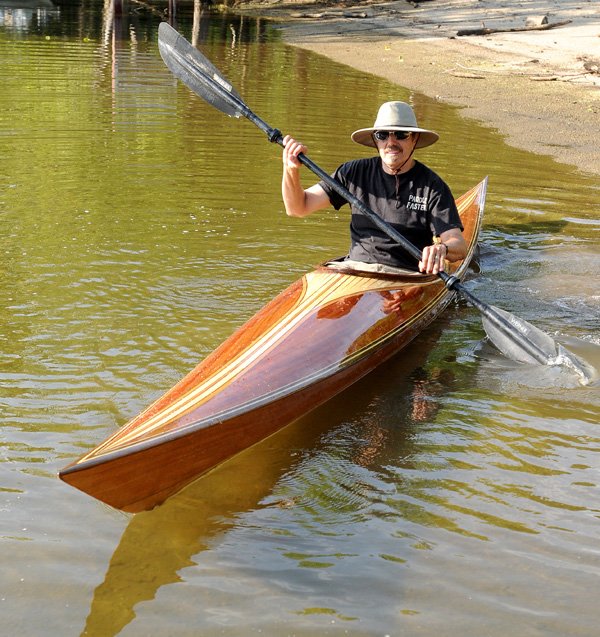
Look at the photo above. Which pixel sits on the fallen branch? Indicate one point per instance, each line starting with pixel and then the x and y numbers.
pixel 514 72
pixel 469 76
pixel 540 27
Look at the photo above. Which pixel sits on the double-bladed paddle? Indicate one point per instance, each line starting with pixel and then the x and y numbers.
pixel 513 336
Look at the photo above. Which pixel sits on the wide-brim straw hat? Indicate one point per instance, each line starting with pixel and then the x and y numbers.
pixel 395 116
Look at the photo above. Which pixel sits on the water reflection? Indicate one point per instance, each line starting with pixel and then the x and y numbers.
pixel 23 15
pixel 275 475
pixel 135 238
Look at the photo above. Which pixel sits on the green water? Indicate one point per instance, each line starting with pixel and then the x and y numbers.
pixel 451 492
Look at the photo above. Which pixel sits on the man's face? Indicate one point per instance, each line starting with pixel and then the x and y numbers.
pixel 395 149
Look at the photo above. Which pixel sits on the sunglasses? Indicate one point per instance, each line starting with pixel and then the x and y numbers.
pixel 382 135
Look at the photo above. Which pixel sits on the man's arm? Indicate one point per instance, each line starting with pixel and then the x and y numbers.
pixel 298 201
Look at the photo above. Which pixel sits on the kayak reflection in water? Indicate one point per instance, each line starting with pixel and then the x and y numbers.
pixel 403 191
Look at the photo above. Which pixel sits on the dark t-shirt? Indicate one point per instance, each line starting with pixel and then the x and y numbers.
pixel 417 203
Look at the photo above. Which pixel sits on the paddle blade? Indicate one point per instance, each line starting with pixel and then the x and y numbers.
pixel 587 373
pixel 511 347
pixel 197 72
pixel 543 344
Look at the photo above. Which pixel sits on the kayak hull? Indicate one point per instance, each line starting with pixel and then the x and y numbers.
pixel 319 336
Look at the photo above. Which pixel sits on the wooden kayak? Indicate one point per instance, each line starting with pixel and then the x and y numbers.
pixel 317 337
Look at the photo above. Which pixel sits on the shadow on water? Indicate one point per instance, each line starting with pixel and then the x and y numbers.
pixel 157 545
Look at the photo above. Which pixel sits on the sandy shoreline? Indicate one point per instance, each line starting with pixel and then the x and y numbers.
pixel 540 88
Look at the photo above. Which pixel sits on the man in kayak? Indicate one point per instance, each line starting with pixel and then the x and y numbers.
pixel 402 191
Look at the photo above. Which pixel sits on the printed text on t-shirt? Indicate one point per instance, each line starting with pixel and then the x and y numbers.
pixel 417 203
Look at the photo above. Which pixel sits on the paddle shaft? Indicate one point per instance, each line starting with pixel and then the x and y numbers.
pixel 187 63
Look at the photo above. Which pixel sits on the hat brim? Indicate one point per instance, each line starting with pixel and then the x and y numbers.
pixel 364 136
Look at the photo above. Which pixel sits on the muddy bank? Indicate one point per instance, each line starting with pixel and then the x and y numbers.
pixel 540 87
